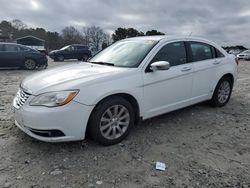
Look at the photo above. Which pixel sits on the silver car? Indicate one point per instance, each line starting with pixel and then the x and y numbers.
pixel 244 55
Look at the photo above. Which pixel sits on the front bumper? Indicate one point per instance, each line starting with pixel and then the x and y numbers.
pixel 70 119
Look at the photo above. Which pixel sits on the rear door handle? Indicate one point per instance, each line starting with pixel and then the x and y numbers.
pixel 185 69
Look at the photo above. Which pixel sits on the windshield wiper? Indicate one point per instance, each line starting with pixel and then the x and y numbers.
pixel 102 63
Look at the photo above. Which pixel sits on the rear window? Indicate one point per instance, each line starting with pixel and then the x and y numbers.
pixel 21 48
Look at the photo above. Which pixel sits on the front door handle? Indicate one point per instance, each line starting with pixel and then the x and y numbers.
pixel 185 69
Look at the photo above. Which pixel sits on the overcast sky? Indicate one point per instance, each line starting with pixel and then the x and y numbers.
pixel 224 21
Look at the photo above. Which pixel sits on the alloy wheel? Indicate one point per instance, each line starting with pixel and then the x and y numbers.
pixel 114 122
pixel 224 91
pixel 30 64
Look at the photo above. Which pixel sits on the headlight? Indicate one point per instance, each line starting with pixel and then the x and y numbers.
pixel 53 99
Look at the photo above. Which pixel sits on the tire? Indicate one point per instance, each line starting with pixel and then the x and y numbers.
pixel 29 64
pixel 111 121
pixel 45 66
pixel 222 92
pixel 85 57
pixel 60 58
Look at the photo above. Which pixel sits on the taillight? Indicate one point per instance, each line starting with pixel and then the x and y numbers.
pixel 236 60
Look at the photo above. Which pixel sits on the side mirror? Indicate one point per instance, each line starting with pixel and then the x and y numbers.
pixel 160 65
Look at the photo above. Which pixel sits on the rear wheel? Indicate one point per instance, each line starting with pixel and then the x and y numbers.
pixel 222 92
pixel 29 64
pixel 85 57
pixel 111 121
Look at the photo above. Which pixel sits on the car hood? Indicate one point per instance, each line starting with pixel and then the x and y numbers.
pixel 80 72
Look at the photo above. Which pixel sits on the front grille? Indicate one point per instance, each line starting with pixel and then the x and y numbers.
pixel 21 98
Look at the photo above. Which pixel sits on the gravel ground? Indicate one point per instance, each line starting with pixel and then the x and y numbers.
pixel 201 146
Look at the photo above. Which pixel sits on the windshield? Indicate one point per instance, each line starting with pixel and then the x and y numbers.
pixel 65 47
pixel 128 53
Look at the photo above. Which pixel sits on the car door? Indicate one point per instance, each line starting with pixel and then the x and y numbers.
pixel 73 52
pixel 11 55
pixel 68 52
pixel 78 52
pixel 167 90
pixel 204 63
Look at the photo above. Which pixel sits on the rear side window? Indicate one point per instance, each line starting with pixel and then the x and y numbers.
pixel 11 48
pixel 1 47
pixel 218 53
pixel 200 51
pixel 174 53
pixel 21 48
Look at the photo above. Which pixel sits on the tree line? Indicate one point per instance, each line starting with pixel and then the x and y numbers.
pixel 94 37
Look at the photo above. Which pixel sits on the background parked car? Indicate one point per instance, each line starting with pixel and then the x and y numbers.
pixel 16 55
pixel 244 55
pixel 235 51
pixel 33 42
pixel 75 51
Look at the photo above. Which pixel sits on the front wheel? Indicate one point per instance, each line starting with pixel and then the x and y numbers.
pixel 29 64
pixel 111 121
pixel 222 92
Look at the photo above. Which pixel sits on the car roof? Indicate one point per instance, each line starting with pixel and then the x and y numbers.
pixel 8 43
pixel 12 43
pixel 1 43
pixel 165 38
pixel 169 37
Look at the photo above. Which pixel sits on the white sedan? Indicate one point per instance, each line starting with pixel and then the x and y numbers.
pixel 244 55
pixel 132 80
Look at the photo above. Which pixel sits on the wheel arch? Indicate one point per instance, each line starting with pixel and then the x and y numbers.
pixel 130 98
pixel 27 58
pixel 228 75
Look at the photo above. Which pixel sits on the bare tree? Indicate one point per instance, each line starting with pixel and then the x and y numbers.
pixel 71 35
pixel 94 37
pixel 18 24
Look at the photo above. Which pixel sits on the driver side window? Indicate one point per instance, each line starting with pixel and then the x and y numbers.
pixel 174 53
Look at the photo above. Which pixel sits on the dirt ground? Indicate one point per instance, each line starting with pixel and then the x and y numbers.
pixel 201 146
